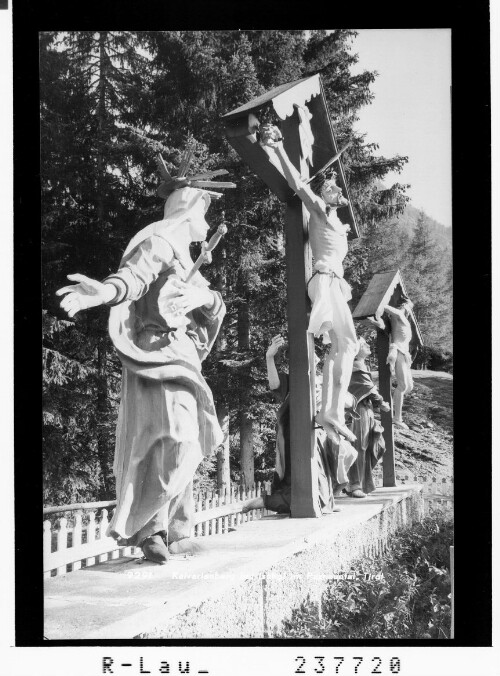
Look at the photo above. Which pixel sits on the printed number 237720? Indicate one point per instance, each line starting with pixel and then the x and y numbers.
pixel 346 665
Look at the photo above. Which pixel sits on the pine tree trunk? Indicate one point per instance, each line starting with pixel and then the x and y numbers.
pixel 102 415
pixel 222 458
pixel 246 449
pixel 246 423
pixel 223 469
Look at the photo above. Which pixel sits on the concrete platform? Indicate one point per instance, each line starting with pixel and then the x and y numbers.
pixel 245 585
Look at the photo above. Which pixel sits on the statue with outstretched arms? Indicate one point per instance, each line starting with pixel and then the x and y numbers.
pixel 163 322
pixel 327 289
pixel 399 357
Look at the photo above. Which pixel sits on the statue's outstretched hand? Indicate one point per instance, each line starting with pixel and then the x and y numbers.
pixel 270 136
pixel 179 297
pixel 277 343
pixel 86 293
pixel 378 322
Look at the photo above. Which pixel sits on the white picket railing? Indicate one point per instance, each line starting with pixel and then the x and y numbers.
pixel 437 492
pixel 78 539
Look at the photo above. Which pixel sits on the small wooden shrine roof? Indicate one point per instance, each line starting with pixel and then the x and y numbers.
pixel 380 290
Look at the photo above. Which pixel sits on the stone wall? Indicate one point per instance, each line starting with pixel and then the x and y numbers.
pixel 258 606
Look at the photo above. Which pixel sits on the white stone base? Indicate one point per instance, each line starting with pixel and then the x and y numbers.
pixel 244 586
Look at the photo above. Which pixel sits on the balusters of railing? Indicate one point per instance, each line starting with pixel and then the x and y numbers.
pixel 229 501
pixel 208 505
pixel 47 542
pixel 267 489
pixel 258 512
pixel 77 537
pixel 198 507
pixel 234 498
pixel 222 519
pixel 216 522
pixel 103 525
pixel 225 520
pixel 117 553
pixel 250 492
pixel 62 541
pixel 238 497
pixel 90 530
pixel 243 497
pixel 252 515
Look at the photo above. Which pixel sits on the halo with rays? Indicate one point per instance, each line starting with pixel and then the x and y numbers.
pixel 201 181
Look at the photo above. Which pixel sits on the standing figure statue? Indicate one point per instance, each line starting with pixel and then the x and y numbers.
pixel 333 460
pixel 163 323
pixel 328 291
pixel 399 357
pixel 368 430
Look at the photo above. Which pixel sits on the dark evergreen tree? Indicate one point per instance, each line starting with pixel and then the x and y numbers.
pixel 92 196
pixel 426 271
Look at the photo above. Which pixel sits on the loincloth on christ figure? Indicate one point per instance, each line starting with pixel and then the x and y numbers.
pixel 394 349
pixel 327 288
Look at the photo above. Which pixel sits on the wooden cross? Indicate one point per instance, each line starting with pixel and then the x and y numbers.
pixel 241 127
pixel 385 288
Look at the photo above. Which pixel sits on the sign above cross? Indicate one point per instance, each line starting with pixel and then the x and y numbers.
pixel 297 103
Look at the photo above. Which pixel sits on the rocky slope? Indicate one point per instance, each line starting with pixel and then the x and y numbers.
pixel 426 448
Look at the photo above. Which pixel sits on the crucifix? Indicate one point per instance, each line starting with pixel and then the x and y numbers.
pixel 309 143
pixel 386 302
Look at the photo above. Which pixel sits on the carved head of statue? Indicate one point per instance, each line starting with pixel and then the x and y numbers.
pixel 405 304
pixel 363 349
pixel 187 206
pixel 326 187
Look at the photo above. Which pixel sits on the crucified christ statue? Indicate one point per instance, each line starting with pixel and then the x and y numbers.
pixel 327 289
pixel 399 357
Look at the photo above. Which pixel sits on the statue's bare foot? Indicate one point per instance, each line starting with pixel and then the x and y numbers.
pixel 358 493
pixel 336 508
pixel 400 423
pixel 186 546
pixel 330 424
pixel 155 549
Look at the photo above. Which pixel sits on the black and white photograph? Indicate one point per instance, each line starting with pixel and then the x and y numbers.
pixel 255 429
